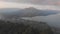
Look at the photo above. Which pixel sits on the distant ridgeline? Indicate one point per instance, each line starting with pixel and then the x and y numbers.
pixel 10 26
pixel 27 12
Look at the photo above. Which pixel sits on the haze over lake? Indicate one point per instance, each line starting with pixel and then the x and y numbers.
pixel 52 20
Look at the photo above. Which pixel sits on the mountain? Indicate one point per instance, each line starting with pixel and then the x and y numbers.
pixel 27 12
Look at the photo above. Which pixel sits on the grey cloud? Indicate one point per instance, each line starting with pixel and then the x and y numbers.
pixel 35 1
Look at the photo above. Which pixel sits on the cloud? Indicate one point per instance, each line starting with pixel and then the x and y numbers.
pixel 44 2
pixel 52 20
pixel 23 5
pixel 14 5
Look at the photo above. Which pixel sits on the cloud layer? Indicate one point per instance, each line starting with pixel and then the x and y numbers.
pixel 52 20
pixel 24 5
pixel 49 2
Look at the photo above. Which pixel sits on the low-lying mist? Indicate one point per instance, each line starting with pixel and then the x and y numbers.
pixel 52 20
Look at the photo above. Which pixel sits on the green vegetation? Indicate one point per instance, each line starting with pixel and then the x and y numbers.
pixel 7 27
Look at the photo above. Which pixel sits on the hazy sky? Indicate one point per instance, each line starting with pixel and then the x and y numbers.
pixel 51 2
pixel 40 4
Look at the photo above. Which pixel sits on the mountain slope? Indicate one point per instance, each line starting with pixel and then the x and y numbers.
pixel 29 12
pixel 24 27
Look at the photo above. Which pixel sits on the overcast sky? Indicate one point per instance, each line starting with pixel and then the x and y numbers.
pixel 40 4
pixel 50 2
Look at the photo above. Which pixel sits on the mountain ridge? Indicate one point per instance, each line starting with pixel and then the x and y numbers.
pixel 29 12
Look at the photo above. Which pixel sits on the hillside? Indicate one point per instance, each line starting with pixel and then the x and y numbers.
pixel 24 27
